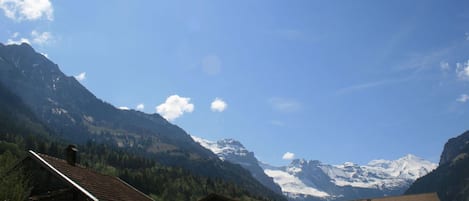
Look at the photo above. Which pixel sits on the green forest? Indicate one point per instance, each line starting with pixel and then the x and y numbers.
pixel 21 131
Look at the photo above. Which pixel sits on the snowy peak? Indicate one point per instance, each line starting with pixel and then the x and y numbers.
pixel 233 151
pixel 308 180
pixel 408 167
pixel 303 178
pixel 223 148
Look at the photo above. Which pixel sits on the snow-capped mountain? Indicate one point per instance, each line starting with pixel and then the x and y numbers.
pixel 226 148
pixel 312 180
pixel 234 152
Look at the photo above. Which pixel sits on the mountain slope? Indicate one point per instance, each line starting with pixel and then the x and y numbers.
pixel 451 179
pixel 67 108
pixel 17 119
pixel 348 181
pixel 313 180
pixel 233 151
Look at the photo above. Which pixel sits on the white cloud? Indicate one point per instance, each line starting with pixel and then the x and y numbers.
pixel 467 35
pixel 13 41
pixel 211 64
pixel 140 107
pixel 81 76
pixel 462 70
pixel 36 38
pixel 463 98
pixel 288 156
pixel 444 66
pixel 284 105
pixel 218 105
pixel 174 107
pixel 27 9
pixel 41 38
pixel 123 108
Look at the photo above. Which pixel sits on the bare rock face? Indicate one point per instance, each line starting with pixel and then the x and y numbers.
pixel 451 179
pixel 454 147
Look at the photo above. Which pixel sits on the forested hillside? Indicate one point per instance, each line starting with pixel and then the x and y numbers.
pixel 57 106
pixel 20 131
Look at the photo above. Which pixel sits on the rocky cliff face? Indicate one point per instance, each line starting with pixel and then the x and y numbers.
pixel 454 147
pixel 451 179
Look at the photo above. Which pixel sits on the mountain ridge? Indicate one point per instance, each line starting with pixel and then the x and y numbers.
pixel 312 180
pixel 232 150
pixel 451 179
pixel 72 111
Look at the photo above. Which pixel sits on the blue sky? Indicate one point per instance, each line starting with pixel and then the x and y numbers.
pixel 334 81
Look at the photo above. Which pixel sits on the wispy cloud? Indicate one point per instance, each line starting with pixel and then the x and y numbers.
pixel 284 104
pixel 444 66
pixel 211 64
pixel 27 9
pixel 369 85
pixel 218 105
pixel 288 156
pixel 81 76
pixel 290 34
pixel 419 62
pixel 463 98
pixel 174 107
pixel 294 34
pixel 277 123
pixel 36 38
pixel 41 38
pixel 462 70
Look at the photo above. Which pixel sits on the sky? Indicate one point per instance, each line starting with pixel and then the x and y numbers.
pixel 334 81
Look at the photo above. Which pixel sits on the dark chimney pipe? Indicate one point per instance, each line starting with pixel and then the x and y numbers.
pixel 71 154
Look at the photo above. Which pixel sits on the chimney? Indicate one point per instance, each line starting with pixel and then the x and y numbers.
pixel 71 154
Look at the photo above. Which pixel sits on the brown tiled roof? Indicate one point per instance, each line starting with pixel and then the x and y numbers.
pixel 102 187
pixel 416 197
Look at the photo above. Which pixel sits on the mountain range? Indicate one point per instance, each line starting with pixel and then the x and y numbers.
pixel 312 180
pixel 37 99
pixel 65 109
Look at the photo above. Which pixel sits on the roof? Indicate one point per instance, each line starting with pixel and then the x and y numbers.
pixel 415 197
pixel 95 185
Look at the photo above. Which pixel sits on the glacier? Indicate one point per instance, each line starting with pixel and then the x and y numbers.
pixel 307 180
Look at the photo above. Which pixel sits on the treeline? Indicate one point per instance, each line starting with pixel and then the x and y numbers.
pixel 450 180
pixel 21 131
pixel 158 181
